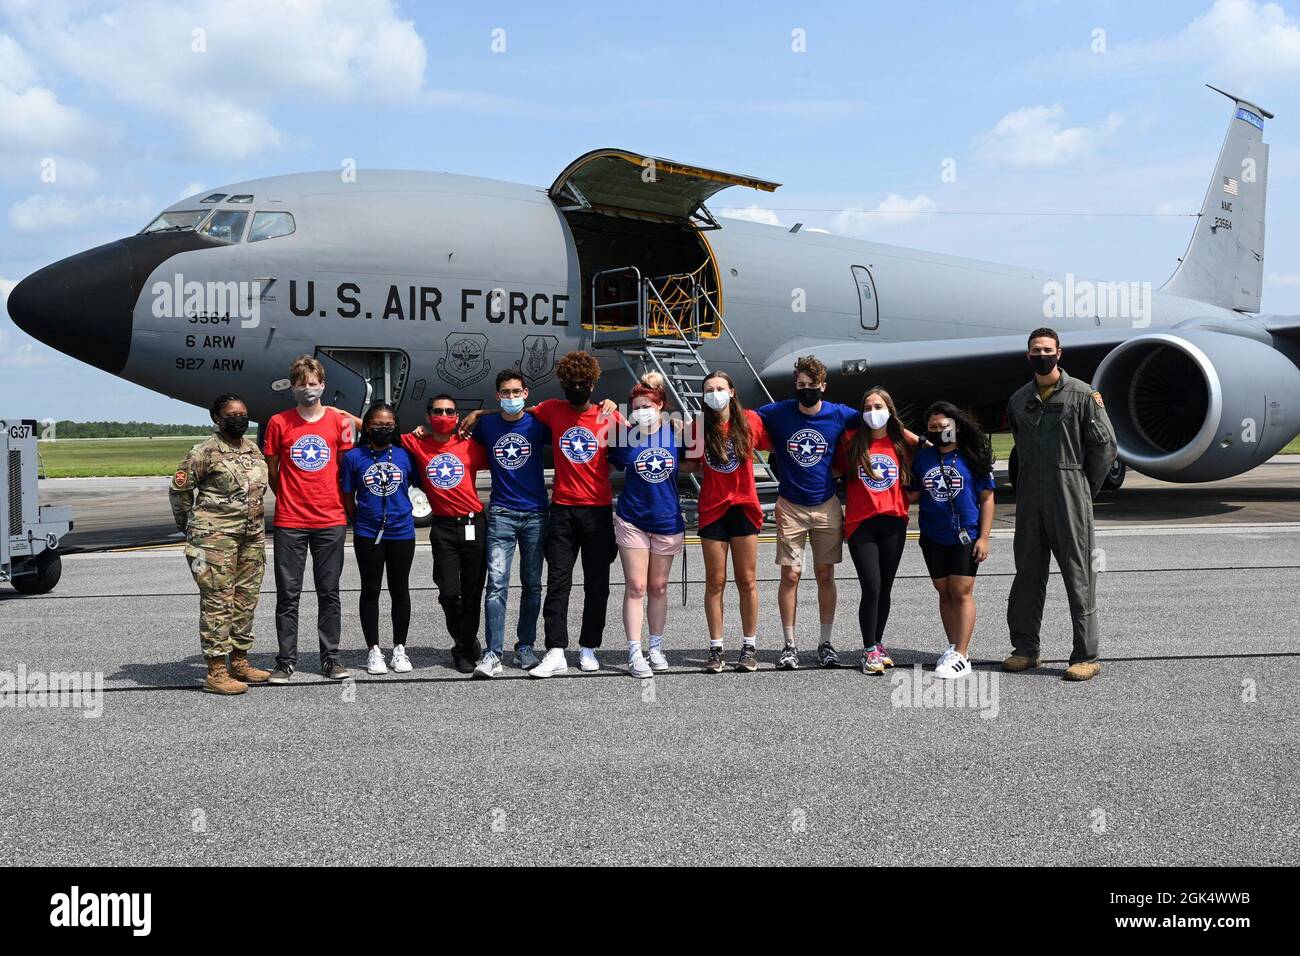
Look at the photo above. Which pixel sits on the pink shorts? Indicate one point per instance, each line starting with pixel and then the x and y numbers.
pixel 630 536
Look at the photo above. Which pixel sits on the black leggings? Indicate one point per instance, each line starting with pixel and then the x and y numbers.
pixel 877 547
pixel 373 559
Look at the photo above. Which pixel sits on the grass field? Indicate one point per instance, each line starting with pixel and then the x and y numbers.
pixel 133 457
pixel 114 457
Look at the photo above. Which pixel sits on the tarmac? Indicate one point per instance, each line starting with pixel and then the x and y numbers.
pixel 1181 752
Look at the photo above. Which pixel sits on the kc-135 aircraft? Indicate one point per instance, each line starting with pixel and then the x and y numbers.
pixel 409 284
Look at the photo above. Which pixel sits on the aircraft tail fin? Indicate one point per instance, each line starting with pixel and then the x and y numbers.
pixel 1224 264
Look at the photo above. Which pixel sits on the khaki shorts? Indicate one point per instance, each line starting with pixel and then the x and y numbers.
pixel 795 524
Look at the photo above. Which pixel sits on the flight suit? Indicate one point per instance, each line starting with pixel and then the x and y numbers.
pixel 1065 446
pixel 216 498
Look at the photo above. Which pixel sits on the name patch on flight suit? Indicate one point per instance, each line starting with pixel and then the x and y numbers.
pixel 1054 408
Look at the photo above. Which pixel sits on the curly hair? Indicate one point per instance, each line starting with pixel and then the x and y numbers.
pixel 811 366
pixel 578 366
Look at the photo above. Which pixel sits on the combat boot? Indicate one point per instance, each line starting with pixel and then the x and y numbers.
pixel 241 670
pixel 219 680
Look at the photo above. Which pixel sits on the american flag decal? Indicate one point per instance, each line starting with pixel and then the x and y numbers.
pixel 1229 186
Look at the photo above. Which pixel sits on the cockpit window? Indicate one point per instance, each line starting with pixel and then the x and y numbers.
pixel 270 225
pixel 225 225
pixel 182 221
pixel 215 197
pixel 241 198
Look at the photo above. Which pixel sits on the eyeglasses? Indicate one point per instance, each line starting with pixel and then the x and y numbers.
pixel 511 393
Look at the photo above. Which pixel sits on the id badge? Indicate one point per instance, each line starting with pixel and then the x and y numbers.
pixel 469 531
pixel 964 537
pixel 379 537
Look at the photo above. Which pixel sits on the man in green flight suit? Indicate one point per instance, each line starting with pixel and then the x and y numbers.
pixel 1065 447
pixel 216 498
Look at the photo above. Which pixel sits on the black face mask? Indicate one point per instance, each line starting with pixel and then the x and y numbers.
pixel 577 394
pixel 808 397
pixel 1043 364
pixel 234 425
pixel 381 434
pixel 936 438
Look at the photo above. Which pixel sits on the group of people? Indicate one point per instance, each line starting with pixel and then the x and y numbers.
pixel 331 471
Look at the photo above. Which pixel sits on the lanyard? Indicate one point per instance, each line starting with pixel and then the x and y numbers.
pixel 952 505
pixel 383 517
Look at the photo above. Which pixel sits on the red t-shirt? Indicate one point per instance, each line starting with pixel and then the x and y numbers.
pixel 581 465
pixel 309 453
pixel 867 496
pixel 448 470
pixel 731 482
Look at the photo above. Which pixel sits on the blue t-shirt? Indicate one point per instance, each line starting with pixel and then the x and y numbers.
pixel 805 446
pixel 937 487
pixel 514 451
pixel 382 481
pixel 649 498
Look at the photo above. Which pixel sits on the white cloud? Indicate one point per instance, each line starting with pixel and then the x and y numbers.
pixel 1284 279
pixel 65 171
pixel 215 67
pixel 54 211
pixel 14 353
pixel 192 189
pixel 892 210
pixel 754 213
pixel 1035 136
pixel 1234 39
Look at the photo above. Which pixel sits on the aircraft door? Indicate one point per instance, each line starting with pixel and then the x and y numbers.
pixel 344 388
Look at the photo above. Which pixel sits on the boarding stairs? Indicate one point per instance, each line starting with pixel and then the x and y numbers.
pixel 658 324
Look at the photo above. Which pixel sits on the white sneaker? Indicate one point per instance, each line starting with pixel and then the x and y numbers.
pixel 638 666
pixel 401 663
pixel 956 665
pixel 657 660
pixel 375 661
pixel 587 660
pixel 552 663
pixel 489 666
pixel 952 649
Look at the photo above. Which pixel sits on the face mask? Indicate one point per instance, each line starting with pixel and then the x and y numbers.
pixel 577 394
pixel 937 438
pixel 235 425
pixel 644 417
pixel 512 406
pixel 876 417
pixel 717 400
pixel 308 394
pixel 1043 364
pixel 382 434
pixel 808 397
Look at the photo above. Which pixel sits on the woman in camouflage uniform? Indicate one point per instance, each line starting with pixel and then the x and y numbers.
pixel 216 497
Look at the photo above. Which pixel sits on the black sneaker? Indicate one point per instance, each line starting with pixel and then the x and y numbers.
pixel 335 671
pixel 826 656
pixel 281 674
pixel 714 664
pixel 748 660
pixel 788 659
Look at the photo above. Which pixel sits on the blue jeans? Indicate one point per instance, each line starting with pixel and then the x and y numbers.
pixel 505 529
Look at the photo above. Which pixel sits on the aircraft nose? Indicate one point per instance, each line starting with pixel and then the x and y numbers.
pixel 81 306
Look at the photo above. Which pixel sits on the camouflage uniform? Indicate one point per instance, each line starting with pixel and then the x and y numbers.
pixel 216 497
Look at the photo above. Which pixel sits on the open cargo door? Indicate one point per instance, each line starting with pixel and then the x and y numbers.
pixel 620 183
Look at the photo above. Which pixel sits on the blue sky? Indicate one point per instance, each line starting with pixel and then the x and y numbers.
pixel 857 108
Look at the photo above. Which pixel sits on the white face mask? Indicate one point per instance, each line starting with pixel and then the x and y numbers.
pixel 644 417
pixel 876 417
pixel 717 400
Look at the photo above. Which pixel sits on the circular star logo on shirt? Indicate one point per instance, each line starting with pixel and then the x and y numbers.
pixel 654 465
pixel 943 482
pixel 579 445
pixel 806 447
pixel 728 466
pixel 512 451
pixel 382 478
pixel 887 468
pixel 445 470
pixel 310 453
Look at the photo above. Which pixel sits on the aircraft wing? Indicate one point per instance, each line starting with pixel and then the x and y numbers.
pixel 969 371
